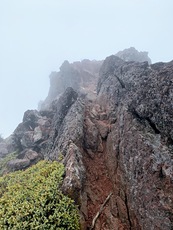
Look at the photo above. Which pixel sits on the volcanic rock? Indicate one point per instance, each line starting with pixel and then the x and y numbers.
pixel 131 54
pixel 81 76
pixel 117 147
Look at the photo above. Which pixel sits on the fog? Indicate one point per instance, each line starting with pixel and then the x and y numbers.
pixel 38 35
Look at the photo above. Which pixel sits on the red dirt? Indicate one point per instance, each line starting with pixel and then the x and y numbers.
pixel 97 186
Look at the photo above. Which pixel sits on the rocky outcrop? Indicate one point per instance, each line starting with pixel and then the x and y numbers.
pixel 35 137
pixel 139 145
pixel 116 147
pixel 131 54
pixel 81 76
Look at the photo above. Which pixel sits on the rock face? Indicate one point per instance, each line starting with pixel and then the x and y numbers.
pixel 117 148
pixel 81 76
pixel 131 54
pixel 139 146
pixel 37 135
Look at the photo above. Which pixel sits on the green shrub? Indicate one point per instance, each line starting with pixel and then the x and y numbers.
pixel 32 199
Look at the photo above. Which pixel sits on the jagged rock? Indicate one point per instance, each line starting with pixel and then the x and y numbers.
pixel 67 140
pixel 81 76
pixel 27 140
pixel 30 118
pixel 75 173
pixel 131 54
pixel 34 129
pixel 63 105
pixel 152 100
pixel 119 143
pixel 139 145
pixel 38 135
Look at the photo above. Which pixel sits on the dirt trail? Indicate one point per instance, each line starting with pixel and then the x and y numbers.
pixel 97 185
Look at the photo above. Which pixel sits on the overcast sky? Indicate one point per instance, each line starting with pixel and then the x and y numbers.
pixel 36 36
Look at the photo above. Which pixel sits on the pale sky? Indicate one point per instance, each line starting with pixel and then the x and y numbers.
pixel 36 36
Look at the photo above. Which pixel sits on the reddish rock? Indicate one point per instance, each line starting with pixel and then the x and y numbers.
pixel 119 143
pixel 103 128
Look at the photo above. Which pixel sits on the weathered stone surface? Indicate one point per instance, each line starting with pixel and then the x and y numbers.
pixel 30 155
pixel 23 160
pixel 119 143
pixel 131 54
pixel 139 145
pixel 34 130
pixel 75 173
pixel 81 76
pixel 91 136
pixel 63 105
pixel 66 141
pixel 103 128
pixel 18 164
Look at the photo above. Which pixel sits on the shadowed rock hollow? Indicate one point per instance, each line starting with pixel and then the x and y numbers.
pixel 117 146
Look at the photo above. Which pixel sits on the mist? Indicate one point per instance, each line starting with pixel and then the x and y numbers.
pixel 37 36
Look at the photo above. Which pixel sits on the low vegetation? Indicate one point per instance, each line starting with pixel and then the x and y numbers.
pixel 32 199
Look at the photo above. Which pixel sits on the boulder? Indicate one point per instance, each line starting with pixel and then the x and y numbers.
pixel 18 164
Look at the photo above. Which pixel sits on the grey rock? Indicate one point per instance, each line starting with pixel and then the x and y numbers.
pixel 81 76
pixel 18 164
pixel 139 145
pixel 131 54
pixel 119 142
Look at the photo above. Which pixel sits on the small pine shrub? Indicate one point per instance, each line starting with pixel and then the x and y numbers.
pixel 32 199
